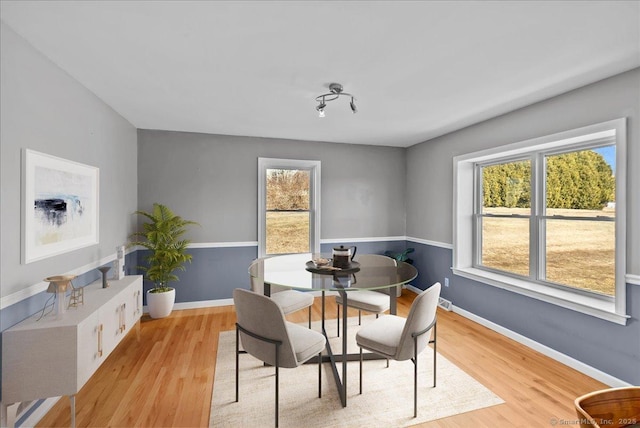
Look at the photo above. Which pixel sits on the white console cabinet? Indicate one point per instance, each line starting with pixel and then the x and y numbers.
pixel 55 356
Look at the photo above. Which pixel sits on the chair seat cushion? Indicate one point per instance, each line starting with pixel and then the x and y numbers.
pixel 366 300
pixel 292 301
pixel 382 336
pixel 306 343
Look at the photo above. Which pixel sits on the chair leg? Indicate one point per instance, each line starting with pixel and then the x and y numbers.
pixel 435 337
pixel 415 377
pixel 320 375
pixel 237 354
pixel 360 370
pixel 277 382
pixel 359 317
pixel 338 318
pixel 309 316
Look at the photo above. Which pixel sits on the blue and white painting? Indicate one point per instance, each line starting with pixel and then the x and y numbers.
pixel 61 206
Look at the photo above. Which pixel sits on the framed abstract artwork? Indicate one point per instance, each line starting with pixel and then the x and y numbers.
pixel 60 206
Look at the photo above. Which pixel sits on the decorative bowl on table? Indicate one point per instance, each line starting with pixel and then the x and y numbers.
pixel 321 262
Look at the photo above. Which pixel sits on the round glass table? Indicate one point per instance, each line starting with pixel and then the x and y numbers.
pixel 370 272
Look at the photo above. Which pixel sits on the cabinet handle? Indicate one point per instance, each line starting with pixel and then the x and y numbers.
pixel 120 319
pixel 123 317
pixel 100 340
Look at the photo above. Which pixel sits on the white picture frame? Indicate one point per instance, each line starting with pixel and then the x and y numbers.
pixel 60 206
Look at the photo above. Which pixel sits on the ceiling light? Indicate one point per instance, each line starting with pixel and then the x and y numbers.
pixel 321 107
pixel 336 92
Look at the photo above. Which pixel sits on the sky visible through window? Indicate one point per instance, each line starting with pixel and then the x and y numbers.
pixel 609 154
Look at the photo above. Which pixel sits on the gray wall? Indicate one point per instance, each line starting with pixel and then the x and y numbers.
pixel 610 347
pixel 430 164
pixel 42 108
pixel 213 180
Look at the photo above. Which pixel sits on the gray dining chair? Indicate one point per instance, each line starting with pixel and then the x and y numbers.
pixel 268 336
pixel 372 301
pixel 401 339
pixel 289 300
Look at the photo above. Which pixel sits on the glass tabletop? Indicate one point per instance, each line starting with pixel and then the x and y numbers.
pixel 373 272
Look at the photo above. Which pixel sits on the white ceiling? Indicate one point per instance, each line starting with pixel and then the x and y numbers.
pixel 417 69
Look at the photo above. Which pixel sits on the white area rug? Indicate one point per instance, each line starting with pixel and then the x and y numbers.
pixel 386 401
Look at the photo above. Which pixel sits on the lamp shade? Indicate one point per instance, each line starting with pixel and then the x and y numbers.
pixel 59 283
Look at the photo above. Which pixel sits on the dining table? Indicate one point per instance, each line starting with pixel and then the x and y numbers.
pixel 299 272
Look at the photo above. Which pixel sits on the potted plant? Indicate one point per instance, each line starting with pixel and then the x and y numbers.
pixel 401 257
pixel 162 236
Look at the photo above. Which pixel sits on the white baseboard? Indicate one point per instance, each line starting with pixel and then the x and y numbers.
pixel 599 375
pixel 202 304
pixel 38 409
pixel 412 288
pixel 222 302
pixel 536 346
pixel 545 350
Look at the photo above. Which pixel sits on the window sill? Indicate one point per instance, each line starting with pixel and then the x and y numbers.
pixel 566 299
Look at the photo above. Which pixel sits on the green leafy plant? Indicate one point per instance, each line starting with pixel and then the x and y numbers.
pixel 401 257
pixel 162 236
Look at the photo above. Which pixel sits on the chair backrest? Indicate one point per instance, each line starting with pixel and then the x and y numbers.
pixel 262 316
pixel 422 313
pixel 378 260
pixel 257 286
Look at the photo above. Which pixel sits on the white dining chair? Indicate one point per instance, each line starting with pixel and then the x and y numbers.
pixel 375 302
pixel 266 335
pixel 402 339
pixel 289 300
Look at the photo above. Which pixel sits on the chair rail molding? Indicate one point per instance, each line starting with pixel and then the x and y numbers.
pixel 41 286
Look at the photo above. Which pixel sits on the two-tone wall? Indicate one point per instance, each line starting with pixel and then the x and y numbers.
pixel 44 109
pixel 614 349
pixel 213 180
pixel 378 198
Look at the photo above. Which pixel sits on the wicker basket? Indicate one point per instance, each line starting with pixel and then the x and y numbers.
pixel 609 408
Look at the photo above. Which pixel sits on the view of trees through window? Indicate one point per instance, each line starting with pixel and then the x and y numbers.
pixel 577 226
pixel 288 215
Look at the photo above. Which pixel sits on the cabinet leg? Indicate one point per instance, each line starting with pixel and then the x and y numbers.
pixel 72 400
pixel 9 413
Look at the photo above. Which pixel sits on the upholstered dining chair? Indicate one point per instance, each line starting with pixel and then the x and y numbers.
pixel 269 337
pixel 401 339
pixel 375 302
pixel 289 300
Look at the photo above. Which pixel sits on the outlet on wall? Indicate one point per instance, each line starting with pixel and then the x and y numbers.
pixel 446 282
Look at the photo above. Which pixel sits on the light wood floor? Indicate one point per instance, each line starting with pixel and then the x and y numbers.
pixel 166 379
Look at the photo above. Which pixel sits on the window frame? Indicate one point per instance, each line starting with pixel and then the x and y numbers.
pixel 467 203
pixel 314 168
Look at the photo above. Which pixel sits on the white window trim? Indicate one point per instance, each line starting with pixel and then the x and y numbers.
pixel 314 210
pixel 463 204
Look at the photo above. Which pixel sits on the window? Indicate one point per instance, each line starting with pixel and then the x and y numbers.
pixel 545 218
pixel 504 217
pixel 288 206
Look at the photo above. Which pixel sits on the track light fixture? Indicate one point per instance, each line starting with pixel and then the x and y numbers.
pixel 336 92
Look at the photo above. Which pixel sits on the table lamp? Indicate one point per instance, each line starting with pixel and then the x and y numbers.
pixel 59 284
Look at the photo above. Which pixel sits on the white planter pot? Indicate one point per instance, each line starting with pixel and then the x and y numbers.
pixel 161 304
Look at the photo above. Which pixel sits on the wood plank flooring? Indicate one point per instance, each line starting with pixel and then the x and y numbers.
pixel 166 379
